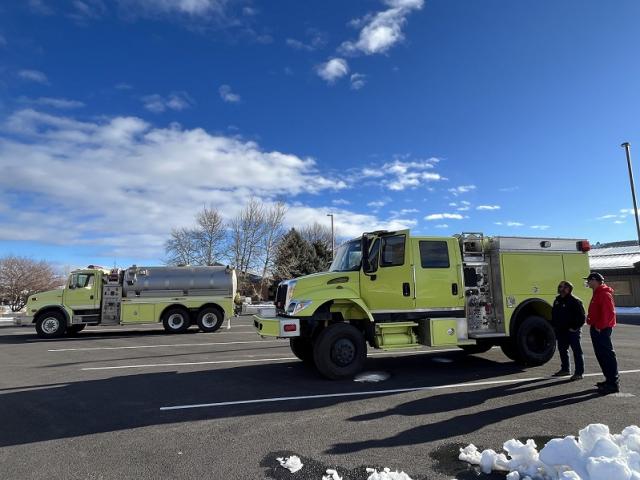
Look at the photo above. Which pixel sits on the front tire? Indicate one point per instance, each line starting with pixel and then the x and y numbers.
pixel 210 319
pixel 74 329
pixel 51 325
pixel 535 341
pixel 339 351
pixel 302 348
pixel 176 320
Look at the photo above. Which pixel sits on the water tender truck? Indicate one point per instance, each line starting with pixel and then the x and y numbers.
pixel 175 296
pixel 392 291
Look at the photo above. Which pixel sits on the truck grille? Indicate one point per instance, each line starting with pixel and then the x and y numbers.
pixel 281 297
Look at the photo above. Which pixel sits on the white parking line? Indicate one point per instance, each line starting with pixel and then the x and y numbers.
pixel 218 362
pixel 373 392
pixel 87 349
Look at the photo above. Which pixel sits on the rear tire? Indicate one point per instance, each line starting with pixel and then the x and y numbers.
pixel 210 319
pixel 176 320
pixel 51 325
pixel 339 351
pixel 75 329
pixel 476 349
pixel 302 348
pixel 535 341
pixel 510 350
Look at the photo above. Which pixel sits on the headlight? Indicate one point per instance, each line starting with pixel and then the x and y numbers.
pixel 295 307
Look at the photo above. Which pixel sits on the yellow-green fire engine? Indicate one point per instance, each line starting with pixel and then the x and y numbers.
pixel 391 291
pixel 175 296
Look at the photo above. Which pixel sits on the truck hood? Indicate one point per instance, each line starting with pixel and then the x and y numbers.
pixel 320 280
pixel 42 299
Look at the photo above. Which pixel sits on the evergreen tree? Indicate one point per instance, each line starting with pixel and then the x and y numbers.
pixel 295 257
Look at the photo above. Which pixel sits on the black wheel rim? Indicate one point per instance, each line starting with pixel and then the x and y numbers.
pixel 537 340
pixel 343 352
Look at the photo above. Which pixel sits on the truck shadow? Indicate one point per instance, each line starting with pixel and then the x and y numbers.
pixel 29 335
pixel 460 425
pixel 71 409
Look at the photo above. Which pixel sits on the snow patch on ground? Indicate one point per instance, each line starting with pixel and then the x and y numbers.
pixel 441 360
pixel 595 455
pixel 292 463
pixel 627 310
pixel 331 475
pixel 387 474
pixel 372 377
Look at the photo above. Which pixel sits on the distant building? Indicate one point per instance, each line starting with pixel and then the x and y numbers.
pixel 619 262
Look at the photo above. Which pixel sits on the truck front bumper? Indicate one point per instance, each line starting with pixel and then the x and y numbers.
pixel 23 320
pixel 279 327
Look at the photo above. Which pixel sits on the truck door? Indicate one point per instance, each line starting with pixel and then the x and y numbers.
pixel 389 288
pixel 81 293
pixel 438 284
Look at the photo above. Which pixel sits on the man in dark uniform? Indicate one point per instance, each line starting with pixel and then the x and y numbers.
pixel 568 317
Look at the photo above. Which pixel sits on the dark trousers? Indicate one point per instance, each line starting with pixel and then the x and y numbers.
pixel 568 339
pixel 605 354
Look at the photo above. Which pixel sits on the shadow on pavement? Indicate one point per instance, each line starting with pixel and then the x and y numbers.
pixel 46 412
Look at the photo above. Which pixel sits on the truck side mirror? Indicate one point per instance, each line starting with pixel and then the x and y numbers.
pixel 366 264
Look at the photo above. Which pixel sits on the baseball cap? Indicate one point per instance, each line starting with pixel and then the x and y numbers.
pixel 595 276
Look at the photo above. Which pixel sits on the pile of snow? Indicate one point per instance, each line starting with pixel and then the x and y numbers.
pixel 292 463
pixel 596 455
pixel 387 474
pixel 331 475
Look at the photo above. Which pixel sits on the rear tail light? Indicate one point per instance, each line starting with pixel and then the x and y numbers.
pixel 290 327
pixel 584 246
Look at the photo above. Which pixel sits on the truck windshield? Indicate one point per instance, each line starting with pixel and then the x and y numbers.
pixel 348 257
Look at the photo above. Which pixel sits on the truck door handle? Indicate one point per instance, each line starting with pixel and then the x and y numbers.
pixel 454 289
pixel 406 289
pixel 91 297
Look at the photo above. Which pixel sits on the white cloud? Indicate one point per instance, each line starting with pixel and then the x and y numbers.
pixel 340 201
pixel 463 209
pixel 453 204
pixel 61 103
pixel 39 7
pixel 316 40
pixel 87 9
pixel 377 204
pixel 509 189
pixel 382 30
pixel 607 217
pixel 333 69
pixel 33 76
pixel 174 101
pixel 462 189
pixel 227 94
pixel 442 225
pixel 85 177
pixel 187 7
pixel 619 222
pixel 347 224
pixel 515 224
pixel 123 86
pixel 402 173
pixel 541 227
pixel 358 80
pixel 488 207
pixel 442 216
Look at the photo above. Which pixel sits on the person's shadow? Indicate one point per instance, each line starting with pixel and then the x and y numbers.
pixel 461 424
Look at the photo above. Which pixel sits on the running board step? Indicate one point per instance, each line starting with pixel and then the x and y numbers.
pixel 396 335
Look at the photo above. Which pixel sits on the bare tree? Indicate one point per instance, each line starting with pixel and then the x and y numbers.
pixel 209 235
pixel 273 232
pixel 317 233
pixel 246 238
pixel 182 247
pixel 21 277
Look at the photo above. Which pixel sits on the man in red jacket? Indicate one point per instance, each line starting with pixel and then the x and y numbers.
pixel 602 319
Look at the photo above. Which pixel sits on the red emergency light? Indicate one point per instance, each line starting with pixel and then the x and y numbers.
pixel 290 327
pixel 584 246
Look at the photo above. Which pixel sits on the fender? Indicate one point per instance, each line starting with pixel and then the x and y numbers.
pixel 537 306
pixel 321 297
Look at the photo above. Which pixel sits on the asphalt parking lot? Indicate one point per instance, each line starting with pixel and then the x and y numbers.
pixel 120 403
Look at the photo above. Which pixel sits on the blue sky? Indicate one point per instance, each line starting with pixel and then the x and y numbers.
pixel 119 119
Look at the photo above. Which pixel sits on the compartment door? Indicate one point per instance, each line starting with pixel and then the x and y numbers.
pixel 439 288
